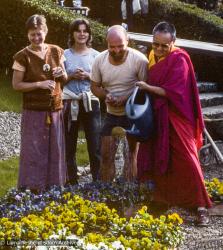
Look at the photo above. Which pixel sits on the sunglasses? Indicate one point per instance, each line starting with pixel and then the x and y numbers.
pixel 163 46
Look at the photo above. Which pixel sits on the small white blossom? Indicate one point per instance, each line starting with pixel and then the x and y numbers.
pixel 91 247
pixel 54 236
pixel 102 246
pixel 117 245
pixel 18 198
pixel 41 248
pixel 72 237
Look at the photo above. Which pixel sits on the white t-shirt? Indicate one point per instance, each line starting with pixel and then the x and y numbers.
pixel 120 79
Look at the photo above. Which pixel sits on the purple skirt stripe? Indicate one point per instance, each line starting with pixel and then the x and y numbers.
pixel 42 156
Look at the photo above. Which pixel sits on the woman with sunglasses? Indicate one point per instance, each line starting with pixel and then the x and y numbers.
pixel 170 158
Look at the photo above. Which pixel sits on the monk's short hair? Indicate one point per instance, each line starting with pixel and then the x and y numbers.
pixel 36 21
pixel 165 27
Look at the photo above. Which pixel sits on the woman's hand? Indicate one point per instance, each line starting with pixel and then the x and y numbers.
pixel 19 84
pixel 84 74
pixel 58 72
pixel 48 84
pixel 80 74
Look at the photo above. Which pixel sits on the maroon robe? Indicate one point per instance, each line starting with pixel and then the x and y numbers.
pixel 170 158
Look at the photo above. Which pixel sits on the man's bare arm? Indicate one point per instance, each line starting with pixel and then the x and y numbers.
pixel 97 90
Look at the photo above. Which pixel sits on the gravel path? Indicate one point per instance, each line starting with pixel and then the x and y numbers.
pixel 195 237
pixel 210 237
pixel 9 134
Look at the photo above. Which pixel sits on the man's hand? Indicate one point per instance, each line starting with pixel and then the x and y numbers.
pixel 115 101
pixel 110 99
pixel 120 101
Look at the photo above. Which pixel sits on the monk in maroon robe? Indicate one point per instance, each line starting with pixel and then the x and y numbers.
pixel 170 158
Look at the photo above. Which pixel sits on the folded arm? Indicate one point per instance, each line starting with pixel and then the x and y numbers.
pixel 19 84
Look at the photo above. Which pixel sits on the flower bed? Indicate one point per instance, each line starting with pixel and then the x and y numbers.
pixel 95 223
pixel 119 194
pixel 215 189
pixel 79 215
pixel 62 214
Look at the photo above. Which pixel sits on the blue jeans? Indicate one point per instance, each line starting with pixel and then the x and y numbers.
pixel 91 123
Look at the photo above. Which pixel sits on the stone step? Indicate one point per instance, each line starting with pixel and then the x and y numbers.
pixel 213 112
pixel 211 99
pixel 208 87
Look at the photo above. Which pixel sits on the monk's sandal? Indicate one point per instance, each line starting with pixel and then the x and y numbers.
pixel 203 218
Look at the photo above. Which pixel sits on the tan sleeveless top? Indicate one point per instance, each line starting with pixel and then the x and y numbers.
pixel 40 69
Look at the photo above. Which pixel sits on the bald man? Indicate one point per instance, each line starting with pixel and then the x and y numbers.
pixel 114 74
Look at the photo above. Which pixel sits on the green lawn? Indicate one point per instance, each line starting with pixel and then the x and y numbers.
pixel 82 154
pixel 10 100
pixel 9 168
pixel 8 174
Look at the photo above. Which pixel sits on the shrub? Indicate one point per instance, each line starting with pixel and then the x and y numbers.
pixel 195 24
pixel 204 4
pixel 14 14
pixel 191 22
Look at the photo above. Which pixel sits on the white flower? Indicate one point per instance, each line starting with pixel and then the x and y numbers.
pixel 46 67
pixel 91 247
pixel 72 237
pixel 54 236
pixel 102 246
pixel 118 245
pixel 18 198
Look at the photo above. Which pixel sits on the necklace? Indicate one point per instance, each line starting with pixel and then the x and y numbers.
pixel 41 52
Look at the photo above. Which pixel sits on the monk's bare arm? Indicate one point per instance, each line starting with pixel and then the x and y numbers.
pixel 151 89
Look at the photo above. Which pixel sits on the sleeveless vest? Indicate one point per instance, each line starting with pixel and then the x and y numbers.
pixel 38 69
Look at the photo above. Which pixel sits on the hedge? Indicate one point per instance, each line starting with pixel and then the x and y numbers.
pixel 191 22
pixel 195 24
pixel 205 4
pixel 14 14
